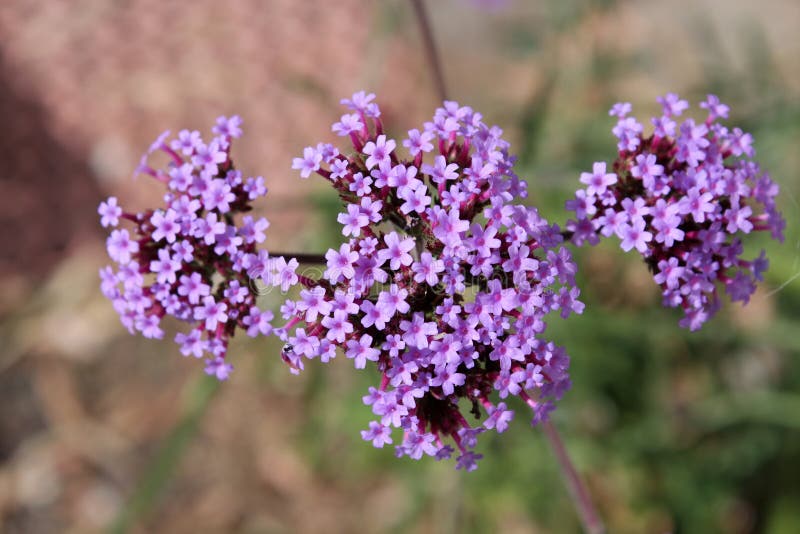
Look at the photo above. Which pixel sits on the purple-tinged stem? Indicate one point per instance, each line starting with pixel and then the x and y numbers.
pixel 430 48
pixel 581 497
pixel 577 489
pixel 301 258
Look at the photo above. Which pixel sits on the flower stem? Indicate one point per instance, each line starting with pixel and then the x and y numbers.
pixel 430 48
pixel 302 258
pixel 577 489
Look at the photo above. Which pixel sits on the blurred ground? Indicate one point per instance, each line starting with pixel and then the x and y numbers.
pixel 677 433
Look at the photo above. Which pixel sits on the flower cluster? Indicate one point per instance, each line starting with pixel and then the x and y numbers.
pixel 682 197
pixel 190 258
pixel 444 282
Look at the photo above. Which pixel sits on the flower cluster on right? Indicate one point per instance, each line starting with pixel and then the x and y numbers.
pixel 682 197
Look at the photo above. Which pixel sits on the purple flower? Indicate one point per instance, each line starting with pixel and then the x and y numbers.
pixel 672 104
pixel 235 293
pixel 418 142
pixel 379 151
pixel 716 109
pixel 598 180
pixel 281 273
pixel 697 204
pixel 193 288
pixel 440 172
pixel 635 236
pixel 186 142
pixel 362 102
pixel 148 325
pixel 258 322
pixel 583 204
pixel 166 225
pixel 499 417
pixel 228 242
pixel 313 303
pixel 254 187
pixel 212 312
pixel 228 127
pixel 208 157
pixel 310 162
pixel 191 343
pixel 415 200
pixel 403 178
pixel 443 274
pixel 620 109
pixel 253 230
pixel 468 461
pixel 338 326
pixel 416 331
pixel 427 269
pixel 378 434
pixel 349 123
pixel 628 132
pixel 374 315
pixel 360 351
pixel 218 368
pixel 738 218
pixel 218 196
pixel 340 264
pixel 394 300
pixel 165 267
pixel 670 273
pixel 183 251
pixel 208 228
pixel 109 212
pixel 186 247
pixel 396 251
pixel 120 247
pixel 646 169
pixel 682 199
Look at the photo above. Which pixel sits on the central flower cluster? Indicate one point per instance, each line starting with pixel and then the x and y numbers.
pixel 444 282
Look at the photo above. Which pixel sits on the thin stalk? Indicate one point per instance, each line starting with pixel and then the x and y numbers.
pixel 431 52
pixel 302 258
pixel 581 498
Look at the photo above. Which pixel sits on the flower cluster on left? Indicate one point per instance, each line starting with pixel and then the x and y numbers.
pixel 190 258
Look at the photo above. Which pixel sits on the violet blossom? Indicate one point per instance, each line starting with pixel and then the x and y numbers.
pixel 444 281
pixel 188 259
pixel 683 197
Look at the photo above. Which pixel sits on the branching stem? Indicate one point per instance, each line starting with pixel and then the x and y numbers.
pixel 431 52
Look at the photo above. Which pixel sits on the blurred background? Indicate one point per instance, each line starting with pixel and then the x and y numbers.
pixel 675 432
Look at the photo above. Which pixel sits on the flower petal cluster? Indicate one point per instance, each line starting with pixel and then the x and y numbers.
pixel 683 197
pixel 444 282
pixel 189 258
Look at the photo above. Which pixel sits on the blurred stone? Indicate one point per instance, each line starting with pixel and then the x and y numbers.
pixel 35 480
pixel 112 160
pixel 98 505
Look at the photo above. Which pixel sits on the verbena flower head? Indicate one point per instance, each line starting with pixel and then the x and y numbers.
pixel 444 282
pixel 188 259
pixel 683 197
